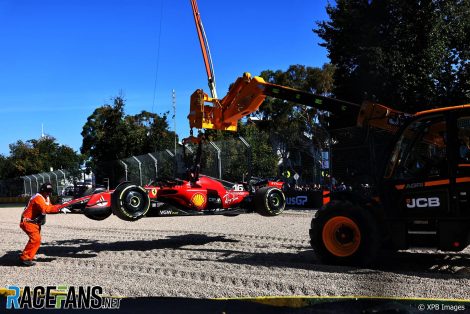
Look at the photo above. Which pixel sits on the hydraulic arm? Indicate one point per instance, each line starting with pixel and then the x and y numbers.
pixel 248 93
pixel 206 54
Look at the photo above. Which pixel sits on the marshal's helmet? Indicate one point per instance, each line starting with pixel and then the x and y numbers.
pixel 46 188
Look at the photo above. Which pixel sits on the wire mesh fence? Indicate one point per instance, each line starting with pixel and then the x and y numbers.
pixel 229 160
pixel 59 179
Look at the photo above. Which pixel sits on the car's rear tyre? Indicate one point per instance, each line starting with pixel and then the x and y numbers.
pixel 269 201
pixel 130 202
pixel 344 234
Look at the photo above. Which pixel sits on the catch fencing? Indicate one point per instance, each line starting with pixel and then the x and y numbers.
pixel 59 179
pixel 230 160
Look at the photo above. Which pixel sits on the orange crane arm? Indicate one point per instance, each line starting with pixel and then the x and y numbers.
pixel 206 55
pixel 248 93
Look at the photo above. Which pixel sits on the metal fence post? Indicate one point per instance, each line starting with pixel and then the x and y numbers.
pixel 250 156
pixel 30 186
pixel 37 183
pixel 65 178
pixel 219 159
pixel 125 167
pixel 140 169
pixel 155 162
pixel 330 167
pixel 63 173
pixel 24 184
pixel 174 160
pixel 43 180
pixel 57 182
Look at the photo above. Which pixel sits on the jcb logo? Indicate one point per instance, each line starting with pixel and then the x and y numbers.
pixel 423 202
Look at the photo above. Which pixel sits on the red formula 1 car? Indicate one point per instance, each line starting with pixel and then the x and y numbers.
pixel 181 198
pixel 198 195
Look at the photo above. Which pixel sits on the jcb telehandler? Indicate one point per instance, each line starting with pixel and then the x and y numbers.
pixel 421 184
pixel 416 167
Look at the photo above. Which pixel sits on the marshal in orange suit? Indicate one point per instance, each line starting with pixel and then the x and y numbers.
pixel 33 217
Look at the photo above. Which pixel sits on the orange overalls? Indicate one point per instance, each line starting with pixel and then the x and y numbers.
pixel 31 220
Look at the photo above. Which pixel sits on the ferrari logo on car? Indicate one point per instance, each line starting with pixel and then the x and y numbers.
pixel 102 202
pixel 198 200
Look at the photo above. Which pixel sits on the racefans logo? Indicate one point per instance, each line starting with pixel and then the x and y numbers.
pixel 59 297
pixel 198 200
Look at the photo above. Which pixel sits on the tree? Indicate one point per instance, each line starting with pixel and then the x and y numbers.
pixel 38 155
pixel 264 159
pixel 410 55
pixel 283 114
pixel 150 131
pixel 7 169
pixel 104 133
pixel 109 134
pixel 236 157
pixel 292 126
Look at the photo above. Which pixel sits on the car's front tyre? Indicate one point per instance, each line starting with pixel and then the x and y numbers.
pixel 130 202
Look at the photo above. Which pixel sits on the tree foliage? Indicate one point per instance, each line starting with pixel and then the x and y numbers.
pixel 109 134
pixel 285 117
pixel 410 55
pixel 237 159
pixel 263 159
pixel 292 126
pixel 280 127
pixel 36 156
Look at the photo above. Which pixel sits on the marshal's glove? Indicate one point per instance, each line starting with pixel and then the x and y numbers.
pixel 64 210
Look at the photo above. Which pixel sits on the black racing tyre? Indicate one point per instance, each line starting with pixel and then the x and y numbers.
pixel 102 216
pixel 345 234
pixel 231 215
pixel 130 202
pixel 269 201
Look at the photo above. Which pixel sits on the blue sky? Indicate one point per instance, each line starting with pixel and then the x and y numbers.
pixel 59 60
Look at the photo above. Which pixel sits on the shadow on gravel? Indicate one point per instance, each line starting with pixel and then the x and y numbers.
pixel 298 260
pixel 12 258
pixel 86 248
pixel 433 265
pixel 430 265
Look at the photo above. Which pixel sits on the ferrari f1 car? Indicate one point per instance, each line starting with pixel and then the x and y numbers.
pixel 197 195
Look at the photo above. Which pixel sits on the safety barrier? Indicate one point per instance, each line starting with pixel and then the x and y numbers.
pixel 325 197
pixel 14 200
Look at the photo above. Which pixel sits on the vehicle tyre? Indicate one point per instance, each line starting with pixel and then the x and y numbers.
pixel 102 216
pixel 97 213
pixel 130 202
pixel 344 234
pixel 231 215
pixel 269 201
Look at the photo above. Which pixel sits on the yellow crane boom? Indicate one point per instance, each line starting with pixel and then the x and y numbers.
pixel 248 93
